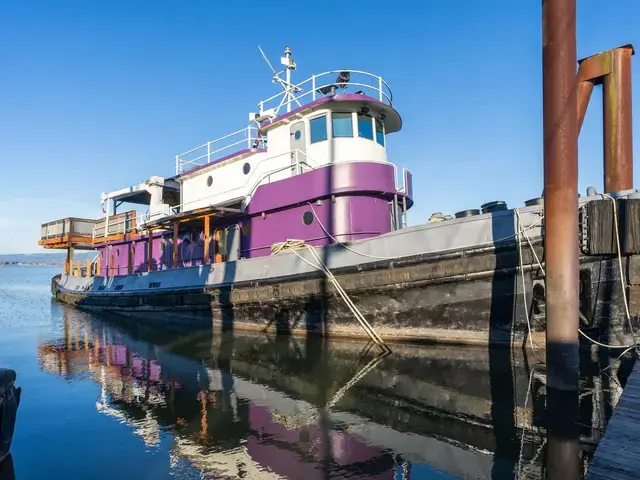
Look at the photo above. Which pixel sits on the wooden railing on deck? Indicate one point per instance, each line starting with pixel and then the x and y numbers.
pixel 61 232
pixel 119 225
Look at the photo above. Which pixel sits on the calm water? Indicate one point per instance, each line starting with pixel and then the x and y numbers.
pixel 104 398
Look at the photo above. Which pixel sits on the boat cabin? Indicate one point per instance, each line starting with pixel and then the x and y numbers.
pixel 311 165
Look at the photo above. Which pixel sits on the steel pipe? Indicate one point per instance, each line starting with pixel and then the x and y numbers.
pixel 560 124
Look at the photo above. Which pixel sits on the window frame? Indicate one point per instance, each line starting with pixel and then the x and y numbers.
pixel 326 129
pixel 376 122
pixel 370 122
pixel 342 115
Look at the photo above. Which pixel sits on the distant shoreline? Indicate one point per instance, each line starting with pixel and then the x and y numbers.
pixel 29 264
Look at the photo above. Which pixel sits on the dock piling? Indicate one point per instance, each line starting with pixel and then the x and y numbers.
pixel 560 124
pixel 612 70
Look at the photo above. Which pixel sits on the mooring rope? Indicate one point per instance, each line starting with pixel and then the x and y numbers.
pixel 295 245
pixel 622 283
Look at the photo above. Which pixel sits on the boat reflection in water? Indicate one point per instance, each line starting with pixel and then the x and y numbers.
pixel 258 406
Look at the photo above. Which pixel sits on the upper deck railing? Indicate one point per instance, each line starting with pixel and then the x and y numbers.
pixel 67 231
pixel 309 90
pixel 327 83
pixel 118 224
pixel 246 138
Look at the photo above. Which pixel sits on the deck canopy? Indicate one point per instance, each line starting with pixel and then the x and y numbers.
pixel 144 193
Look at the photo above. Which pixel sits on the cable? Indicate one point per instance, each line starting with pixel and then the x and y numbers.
pixel 622 280
pixel 524 285
pixel 295 245
pixel 580 313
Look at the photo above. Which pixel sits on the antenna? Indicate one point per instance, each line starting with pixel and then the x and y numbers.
pixel 268 62
pixel 289 89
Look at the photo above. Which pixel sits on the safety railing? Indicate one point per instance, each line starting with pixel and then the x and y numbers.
pixel 247 138
pixel 329 83
pixel 301 163
pixel 67 227
pixel 118 224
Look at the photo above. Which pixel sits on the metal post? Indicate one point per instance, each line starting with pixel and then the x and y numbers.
pixel 561 191
pixel 207 238
pixel 618 134
pixel 612 70
pixel 584 95
pixel 176 237
pixel 313 88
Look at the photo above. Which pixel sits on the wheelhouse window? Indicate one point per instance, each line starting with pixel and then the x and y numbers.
pixel 342 124
pixel 365 126
pixel 318 127
pixel 379 132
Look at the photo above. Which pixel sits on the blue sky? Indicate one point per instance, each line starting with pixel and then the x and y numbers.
pixel 98 95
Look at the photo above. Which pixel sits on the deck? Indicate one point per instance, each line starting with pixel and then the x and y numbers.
pixel 68 232
pixel 618 453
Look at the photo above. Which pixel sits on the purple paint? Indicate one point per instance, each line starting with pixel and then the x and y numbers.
pixel 348 218
pixel 342 178
pixel 346 449
pixel 360 210
pixel 114 256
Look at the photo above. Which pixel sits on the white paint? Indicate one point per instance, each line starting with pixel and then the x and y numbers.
pixel 230 184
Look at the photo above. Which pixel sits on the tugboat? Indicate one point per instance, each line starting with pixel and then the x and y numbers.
pixel 298 224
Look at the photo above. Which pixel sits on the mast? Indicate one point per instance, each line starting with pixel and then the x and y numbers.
pixel 289 65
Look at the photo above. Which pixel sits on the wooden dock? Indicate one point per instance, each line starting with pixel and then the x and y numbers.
pixel 618 453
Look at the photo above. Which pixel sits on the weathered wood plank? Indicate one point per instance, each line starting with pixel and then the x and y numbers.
pixel 618 454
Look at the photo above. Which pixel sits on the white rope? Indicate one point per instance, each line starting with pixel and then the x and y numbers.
pixel 524 408
pixel 580 313
pixel 293 246
pixel 524 285
pixel 622 280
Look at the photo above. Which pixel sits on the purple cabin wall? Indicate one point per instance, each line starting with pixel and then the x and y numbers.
pixel 362 191
pixel 189 254
pixel 347 219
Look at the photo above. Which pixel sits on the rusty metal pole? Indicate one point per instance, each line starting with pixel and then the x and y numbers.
pixel 618 134
pixel 584 95
pixel 561 191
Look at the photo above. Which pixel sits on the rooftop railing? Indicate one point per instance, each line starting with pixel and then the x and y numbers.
pixel 327 83
pixel 246 138
pixel 67 229
pixel 309 90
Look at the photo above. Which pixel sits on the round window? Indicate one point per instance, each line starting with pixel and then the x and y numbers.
pixel 246 229
pixel 246 168
pixel 307 218
pixel 209 180
pixel 297 135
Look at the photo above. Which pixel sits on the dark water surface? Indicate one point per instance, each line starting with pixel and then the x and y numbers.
pixel 105 398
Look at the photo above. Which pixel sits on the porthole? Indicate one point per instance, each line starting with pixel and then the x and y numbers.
pixel 246 168
pixel 246 229
pixel 297 135
pixel 307 218
pixel 209 180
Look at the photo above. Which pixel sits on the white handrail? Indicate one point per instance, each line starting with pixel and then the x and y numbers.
pixel 379 89
pixel 145 218
pixel 205 151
